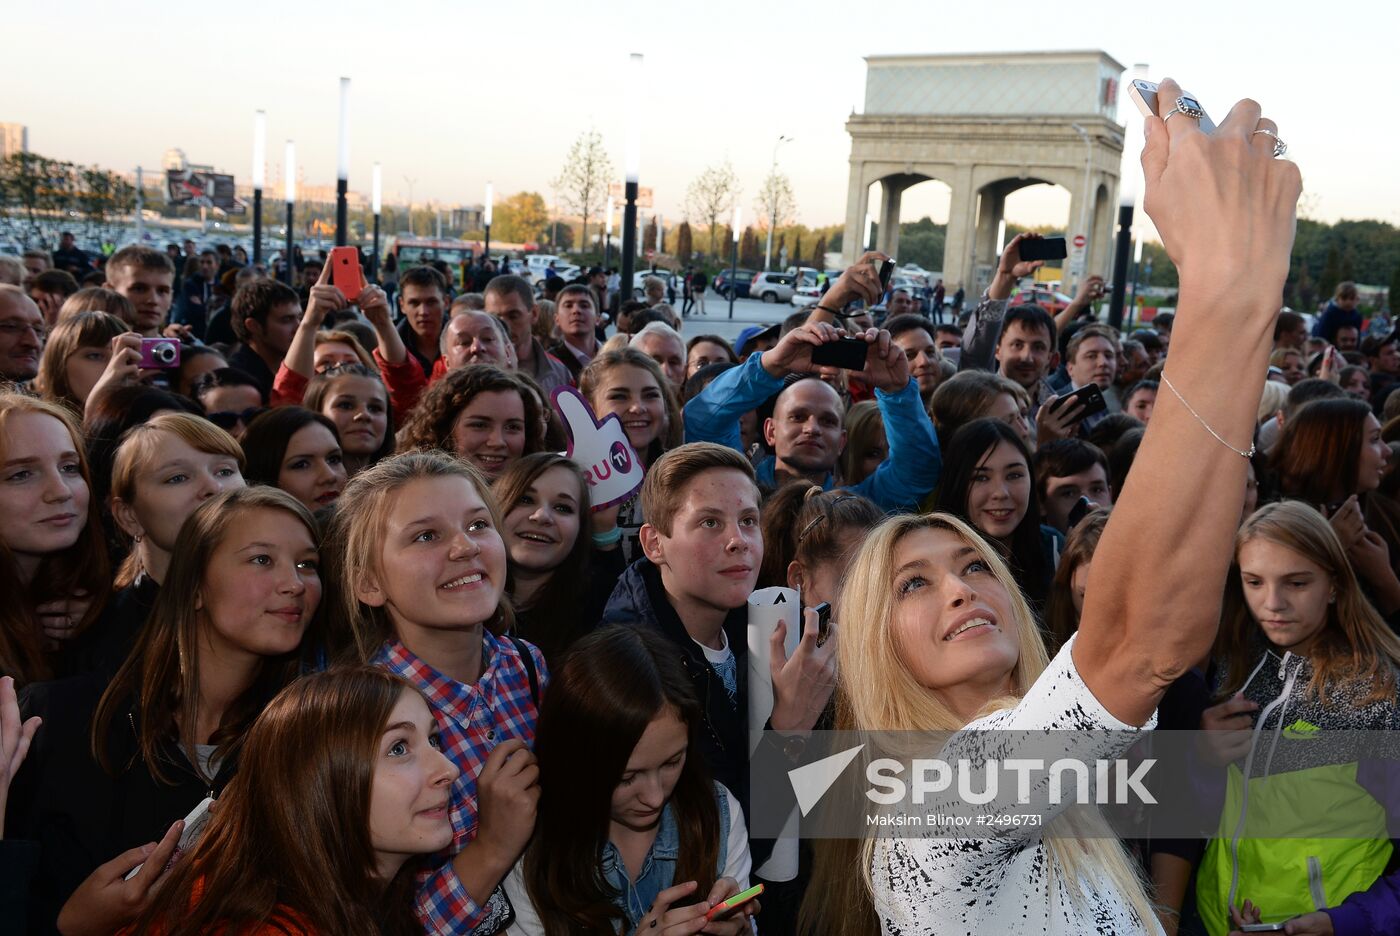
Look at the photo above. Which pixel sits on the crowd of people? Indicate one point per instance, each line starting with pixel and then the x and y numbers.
pixel 328 567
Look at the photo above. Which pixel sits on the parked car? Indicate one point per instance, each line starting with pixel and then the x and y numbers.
pixel 740 286
pixel 773 287
pixel 808 275
pixel 1050 300
pixel 671 280
pixel 805 296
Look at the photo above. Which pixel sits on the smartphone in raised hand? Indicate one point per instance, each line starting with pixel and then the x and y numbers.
pixel 345 271
pixel 1144 95
pixel 845 353
pixel 886 273
pixel 1089 395
pixel 1043 248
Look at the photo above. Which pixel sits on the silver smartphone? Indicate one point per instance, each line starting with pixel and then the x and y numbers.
pixel 189 836
pixel 1144 94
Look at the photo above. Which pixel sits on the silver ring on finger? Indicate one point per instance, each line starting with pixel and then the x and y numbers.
pixel 1280 147
pixel 1188 107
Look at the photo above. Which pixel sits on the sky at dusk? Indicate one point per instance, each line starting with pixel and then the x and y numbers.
pixel 453 94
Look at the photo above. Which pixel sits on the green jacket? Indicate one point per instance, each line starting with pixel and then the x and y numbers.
pixel 1306 831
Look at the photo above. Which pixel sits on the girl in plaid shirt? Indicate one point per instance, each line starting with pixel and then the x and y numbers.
pixel 422 569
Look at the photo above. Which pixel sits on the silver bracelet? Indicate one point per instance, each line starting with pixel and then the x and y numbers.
pixel 1249 454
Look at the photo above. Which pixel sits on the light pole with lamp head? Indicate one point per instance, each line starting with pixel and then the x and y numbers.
pixel 773 221
pixel 342 168
pixel 607 238
pixel 259 169
pixel 632 159
pixel 1084 202
pixel 376 202
pixel 1123 246
pixel 486 217
pixel 734 262
pixel 289 192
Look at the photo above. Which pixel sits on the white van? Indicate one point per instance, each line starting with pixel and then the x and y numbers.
pixel 536 264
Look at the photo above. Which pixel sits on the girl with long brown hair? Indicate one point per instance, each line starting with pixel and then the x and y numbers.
pixel 342 785
pixel 643 838
pixel 1331 455
pixel 354 397
pixel 1301 650
pixel 559 577
pixel 420 568
pixel 630 385
pixel 51 545
pixel 116 764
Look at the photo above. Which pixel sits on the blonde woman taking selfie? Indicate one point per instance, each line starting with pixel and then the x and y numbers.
pixel 939 637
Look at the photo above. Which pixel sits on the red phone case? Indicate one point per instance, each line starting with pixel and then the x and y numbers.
pixel 345 271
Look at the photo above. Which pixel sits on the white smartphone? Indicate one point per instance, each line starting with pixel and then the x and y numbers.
pixel 189 836
pixel 1144 95
pixel 1262 928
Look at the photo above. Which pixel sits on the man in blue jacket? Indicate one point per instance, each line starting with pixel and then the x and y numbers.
pixel 806 430
pixel 1341 311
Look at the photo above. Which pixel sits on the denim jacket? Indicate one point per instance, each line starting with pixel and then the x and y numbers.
pixel 658 871
pixel 902 480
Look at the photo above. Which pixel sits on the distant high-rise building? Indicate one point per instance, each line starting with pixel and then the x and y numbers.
pixel 14 138
pixel 174 159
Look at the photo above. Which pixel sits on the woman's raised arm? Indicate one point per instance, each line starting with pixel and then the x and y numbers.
pixel 1225 209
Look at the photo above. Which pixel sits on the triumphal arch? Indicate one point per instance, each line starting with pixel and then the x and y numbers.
pixel 987 125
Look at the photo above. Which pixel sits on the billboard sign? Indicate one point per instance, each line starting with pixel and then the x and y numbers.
pixel 202 189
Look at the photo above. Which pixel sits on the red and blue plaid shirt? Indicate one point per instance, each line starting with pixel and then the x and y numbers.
pixel 473 720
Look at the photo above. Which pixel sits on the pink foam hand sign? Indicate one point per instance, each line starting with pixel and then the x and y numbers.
pixel 601 449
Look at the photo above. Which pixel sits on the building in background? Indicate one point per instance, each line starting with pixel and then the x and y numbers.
pixel 14 138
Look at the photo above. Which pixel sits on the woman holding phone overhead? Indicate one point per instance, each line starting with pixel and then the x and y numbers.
pixel 939 637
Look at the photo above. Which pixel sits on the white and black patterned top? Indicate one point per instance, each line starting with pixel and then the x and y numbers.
pixel 937 884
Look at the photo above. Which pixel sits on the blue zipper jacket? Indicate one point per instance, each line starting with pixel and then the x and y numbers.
pixel 903 479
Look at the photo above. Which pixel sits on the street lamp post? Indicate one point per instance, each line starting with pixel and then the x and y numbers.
pixel 1084 203
pixel 412 231
pixel 342 169
pixel 734 262
pixel 607 238
pixel 486 217
pixel 289 192
pixel 632 159
pixel 1123 244
pixel 376 202
pixel 773 221
pixel 140 207
pixel 259 164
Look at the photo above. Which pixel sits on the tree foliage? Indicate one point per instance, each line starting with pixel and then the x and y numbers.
pixel 775 198
pixel 684 245
pixel 750 253
pixel 32 185
pixel 583 182
pixel 711 197
pixel 521 218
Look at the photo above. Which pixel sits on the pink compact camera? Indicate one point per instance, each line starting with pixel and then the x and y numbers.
pixel 160 352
